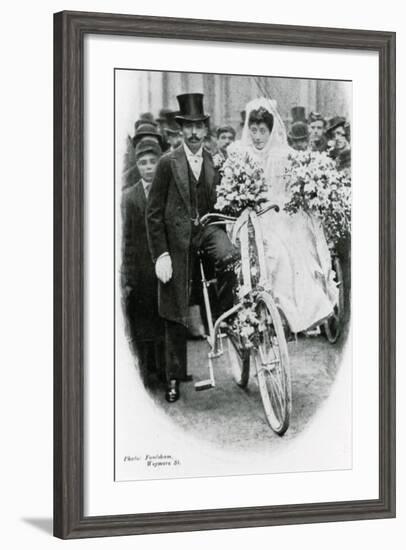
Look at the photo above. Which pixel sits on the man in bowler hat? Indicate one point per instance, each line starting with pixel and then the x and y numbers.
pixel 184 190
pixel 144 128
pixel 172 131
pixel 162 120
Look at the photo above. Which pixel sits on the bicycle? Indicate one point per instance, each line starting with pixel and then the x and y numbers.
pixel 267 348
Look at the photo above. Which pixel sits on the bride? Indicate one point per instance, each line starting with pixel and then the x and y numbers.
pixel 298 258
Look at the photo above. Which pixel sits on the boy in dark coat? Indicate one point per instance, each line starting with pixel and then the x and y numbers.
pixel 138 274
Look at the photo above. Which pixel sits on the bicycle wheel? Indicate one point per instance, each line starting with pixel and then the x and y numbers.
pixel 239 359
pixel 333 325
pixel 272 365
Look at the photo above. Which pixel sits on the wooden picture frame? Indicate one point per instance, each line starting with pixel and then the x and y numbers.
pixel 69 31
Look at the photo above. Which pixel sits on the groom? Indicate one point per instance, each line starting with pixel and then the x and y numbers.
pixel 184 190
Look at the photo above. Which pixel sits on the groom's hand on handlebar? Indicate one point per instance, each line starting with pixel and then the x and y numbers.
pixel 163 268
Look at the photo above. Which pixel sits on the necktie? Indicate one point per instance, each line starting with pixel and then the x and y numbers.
pixel 147 188
pixel 195 165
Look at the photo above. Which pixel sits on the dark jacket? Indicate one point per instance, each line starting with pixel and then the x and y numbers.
pixel 138 271
pixel 169 225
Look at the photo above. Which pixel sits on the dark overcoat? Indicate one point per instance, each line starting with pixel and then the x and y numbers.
pixel 137 269
pixel 169 225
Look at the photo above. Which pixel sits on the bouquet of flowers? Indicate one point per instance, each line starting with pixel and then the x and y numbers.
pixel 247 324
pixel 242 185
pixel 318 187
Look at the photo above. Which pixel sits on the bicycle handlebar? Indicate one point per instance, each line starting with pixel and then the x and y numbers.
pixel 222 218
pixel 270 207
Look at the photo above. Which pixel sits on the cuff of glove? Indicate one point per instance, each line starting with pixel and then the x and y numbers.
pixel 162 255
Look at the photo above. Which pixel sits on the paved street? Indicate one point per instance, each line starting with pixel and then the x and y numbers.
pixel 230 416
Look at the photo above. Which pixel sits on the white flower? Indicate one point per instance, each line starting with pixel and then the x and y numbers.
pixel 247 331
pixel 220 204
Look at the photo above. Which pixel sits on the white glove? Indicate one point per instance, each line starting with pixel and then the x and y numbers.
pixel 163 268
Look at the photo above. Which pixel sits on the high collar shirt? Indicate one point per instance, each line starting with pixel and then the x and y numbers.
pixel 195 160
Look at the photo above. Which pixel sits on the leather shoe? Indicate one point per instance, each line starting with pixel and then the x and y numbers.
pixel 172 393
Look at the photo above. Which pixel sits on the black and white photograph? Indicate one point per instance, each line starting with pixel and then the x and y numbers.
pixel 199 275
pixel 232 274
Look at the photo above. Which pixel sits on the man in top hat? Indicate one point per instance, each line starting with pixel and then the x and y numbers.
pixel 298 136
pixel 138 278
pixel 184 190
pixel 317 126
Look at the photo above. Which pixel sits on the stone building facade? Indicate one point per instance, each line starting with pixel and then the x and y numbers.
pixel 226 95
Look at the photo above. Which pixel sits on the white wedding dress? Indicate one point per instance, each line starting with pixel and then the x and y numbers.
pixel 297 255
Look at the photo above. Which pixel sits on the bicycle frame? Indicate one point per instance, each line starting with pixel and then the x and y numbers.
pixel 240 229
pixel 214 338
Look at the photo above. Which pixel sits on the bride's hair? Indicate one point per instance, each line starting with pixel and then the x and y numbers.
pixel 257 116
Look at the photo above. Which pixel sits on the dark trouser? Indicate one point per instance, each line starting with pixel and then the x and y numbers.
pixel 151 360
pixel 219 255
pixel 175 350
pixel 218 250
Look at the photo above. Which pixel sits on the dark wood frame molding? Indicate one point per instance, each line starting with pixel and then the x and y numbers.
pixel 69 31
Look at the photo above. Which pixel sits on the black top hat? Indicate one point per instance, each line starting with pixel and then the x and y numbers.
pixel 298 113
pixel 191 108
pixel 146 129
pixel 298 131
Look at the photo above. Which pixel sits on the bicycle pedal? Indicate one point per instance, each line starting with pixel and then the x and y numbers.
pixel 204 385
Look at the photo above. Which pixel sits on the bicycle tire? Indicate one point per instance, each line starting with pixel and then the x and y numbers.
pixel 274 379
pixel 334 324
pixel 239 360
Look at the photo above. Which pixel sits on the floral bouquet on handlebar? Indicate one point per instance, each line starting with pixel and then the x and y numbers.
pixel 317 187
pixel 247 324
pixel 242 185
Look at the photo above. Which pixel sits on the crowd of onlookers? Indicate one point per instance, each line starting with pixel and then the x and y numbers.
pixel 317 133
pixel 313 132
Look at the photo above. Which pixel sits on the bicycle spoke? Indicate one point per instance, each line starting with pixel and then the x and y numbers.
pixel 277 399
